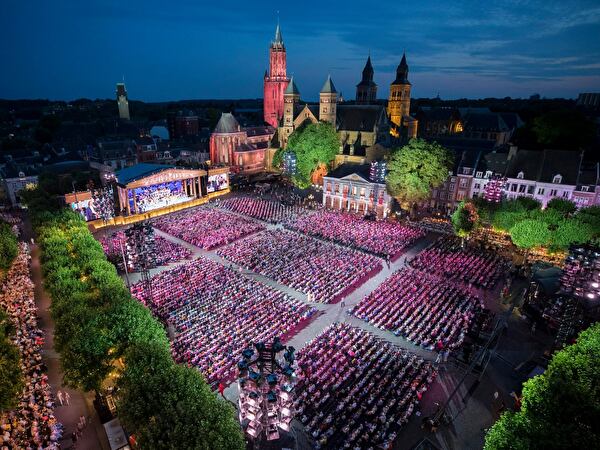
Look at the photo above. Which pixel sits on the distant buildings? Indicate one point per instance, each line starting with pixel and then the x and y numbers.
pixel 122 102
pixel 589 100
pixel 182 123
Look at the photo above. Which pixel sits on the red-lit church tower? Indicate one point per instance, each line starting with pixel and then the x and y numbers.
pixel 276 81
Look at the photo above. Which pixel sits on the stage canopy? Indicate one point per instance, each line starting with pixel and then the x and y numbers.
pixel 145 187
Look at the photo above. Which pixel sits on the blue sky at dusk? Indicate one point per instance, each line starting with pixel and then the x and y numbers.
pixel 191 49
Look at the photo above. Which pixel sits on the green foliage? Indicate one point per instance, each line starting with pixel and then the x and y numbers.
pixel 8 246
pixel 314 144
pixel 465 219
pixel 560 408
pixel 530 233
pixel 11 378
pixel 564 129
pixel 97 322
pixel 278 158
pixel 562 206
pixel 415 169
pixel 170 399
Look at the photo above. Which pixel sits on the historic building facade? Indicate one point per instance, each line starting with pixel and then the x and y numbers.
pixel 243 149
pixel 275 81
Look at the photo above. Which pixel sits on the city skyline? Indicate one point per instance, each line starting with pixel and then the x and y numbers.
pixel 68 50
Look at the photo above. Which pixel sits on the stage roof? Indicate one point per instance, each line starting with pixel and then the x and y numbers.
pixel 133 173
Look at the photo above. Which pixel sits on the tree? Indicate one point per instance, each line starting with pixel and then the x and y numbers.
pixel 8 246
pixel 168 406
pixel 569 231
pixel 530 233
pixel 315 145
pixel 11 378
pixel 415 169
pixel 465 219
pixel 564 129
pixel 562 205
pixel 560 408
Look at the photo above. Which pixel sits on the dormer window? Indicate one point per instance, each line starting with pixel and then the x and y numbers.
pixel 557 179
pixel 21 174
pixel 488 174
pixel 479 174
pixel 585 188
pixel 521 175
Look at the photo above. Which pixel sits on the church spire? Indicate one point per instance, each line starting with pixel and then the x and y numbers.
pixel 402 72
pixel 278 39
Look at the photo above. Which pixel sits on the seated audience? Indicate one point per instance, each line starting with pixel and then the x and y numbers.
pixel 323 271
pixel 356 391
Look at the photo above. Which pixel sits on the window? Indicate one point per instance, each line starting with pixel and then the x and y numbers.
pixel 513 187
pixel 460 196
pixel 362 192
pixel 520 175
pixel 451 187
pixel 479 174
pixel 466 171
pixel 530 190
pixel 477 186
pixel 488 174
pixel 553 192
pixel 353 190
pixel 565 194
pixel 585 188
pixel 522 188
pixel 557 179
pixel 541 191
pixel 463 183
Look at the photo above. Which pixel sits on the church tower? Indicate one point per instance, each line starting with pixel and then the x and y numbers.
pixel 275 81
pixel 399 101
pixel 366 90
pixel 122 102
pixel 291 98
pixel 328 102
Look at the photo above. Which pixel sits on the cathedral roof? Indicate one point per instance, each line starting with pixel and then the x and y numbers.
pixel 328 87
pixel 292 88
pixel 227 124
pixel 278 42
pixel 359 117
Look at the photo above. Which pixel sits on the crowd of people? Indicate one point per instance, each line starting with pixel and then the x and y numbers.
pixel 160 196
pixel 167 252
pixel 214 312
pixel 435 224
pixel 383 238
pixel 467 265
pixel 323 271
pixel 422 307
pixel 32 425
pixel 271 211
pixel 207 227
pixel 355 391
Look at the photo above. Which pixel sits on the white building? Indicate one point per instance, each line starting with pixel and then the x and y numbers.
pixel 350 187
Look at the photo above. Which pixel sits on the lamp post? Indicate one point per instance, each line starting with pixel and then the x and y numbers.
pixel 266 385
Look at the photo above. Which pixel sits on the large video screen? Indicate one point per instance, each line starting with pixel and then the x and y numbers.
pixel 217 182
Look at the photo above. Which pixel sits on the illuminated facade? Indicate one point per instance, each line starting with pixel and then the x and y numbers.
pixel 275 81
pixel 243 149
pixel 398 108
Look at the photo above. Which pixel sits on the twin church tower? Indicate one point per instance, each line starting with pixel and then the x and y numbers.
pixel 276 82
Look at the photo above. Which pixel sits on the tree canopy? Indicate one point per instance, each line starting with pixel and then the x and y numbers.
pixel 560 408
pixel 564 129
pixel 8 246
pixel 415 169
pixel 315 145
pixel 11 377
pixel 465 219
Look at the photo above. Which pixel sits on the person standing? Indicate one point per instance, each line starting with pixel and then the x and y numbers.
pixel 59 395
pixel 67 398
pixel 222 389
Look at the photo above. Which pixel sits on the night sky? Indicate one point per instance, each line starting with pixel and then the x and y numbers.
pixel 191 49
